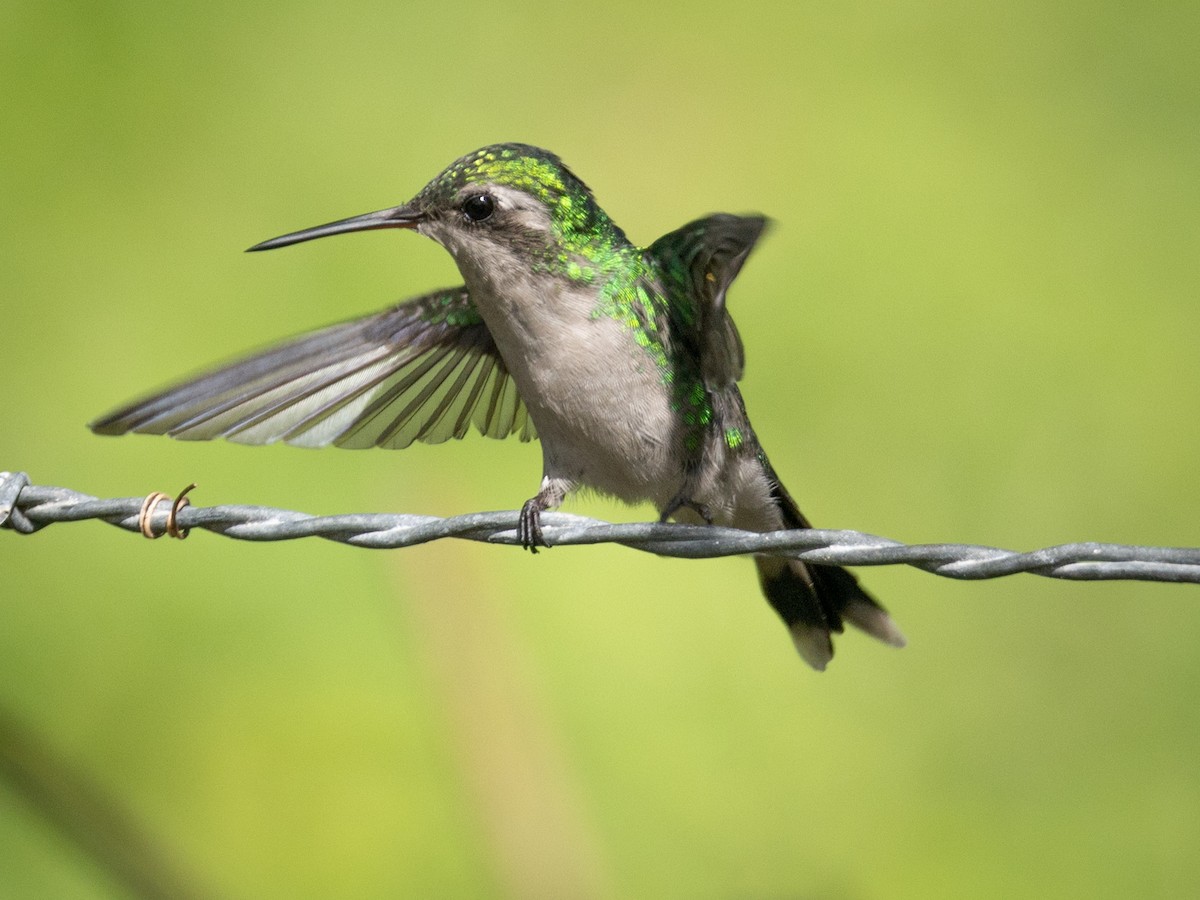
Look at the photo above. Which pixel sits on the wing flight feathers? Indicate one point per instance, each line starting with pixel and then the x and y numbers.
pixel 425 370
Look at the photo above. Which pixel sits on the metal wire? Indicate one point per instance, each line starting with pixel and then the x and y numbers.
pixel 25 508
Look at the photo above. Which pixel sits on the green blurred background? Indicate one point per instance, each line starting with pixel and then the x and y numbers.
pixel 975 320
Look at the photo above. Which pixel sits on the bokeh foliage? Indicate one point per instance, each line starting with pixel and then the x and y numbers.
pixel 976 319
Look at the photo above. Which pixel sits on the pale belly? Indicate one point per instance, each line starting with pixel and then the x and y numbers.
pixel 603 414
pixel 604 411
pixel 606 422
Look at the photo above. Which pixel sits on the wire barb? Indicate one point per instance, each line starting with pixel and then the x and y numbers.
pixel 146 514
pixel 25 508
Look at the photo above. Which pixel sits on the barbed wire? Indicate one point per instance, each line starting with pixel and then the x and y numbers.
pixel 26 508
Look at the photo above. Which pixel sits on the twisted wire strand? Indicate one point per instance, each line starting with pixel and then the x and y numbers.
pixel 26 508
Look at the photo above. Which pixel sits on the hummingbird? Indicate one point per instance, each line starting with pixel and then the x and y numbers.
pixel 623 360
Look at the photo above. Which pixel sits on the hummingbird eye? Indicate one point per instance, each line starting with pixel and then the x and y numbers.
pixel 478 207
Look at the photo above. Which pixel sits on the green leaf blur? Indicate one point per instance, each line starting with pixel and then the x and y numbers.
pixel 976 319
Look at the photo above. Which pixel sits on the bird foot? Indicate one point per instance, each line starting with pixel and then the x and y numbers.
pixel 529 525
pixel 680 503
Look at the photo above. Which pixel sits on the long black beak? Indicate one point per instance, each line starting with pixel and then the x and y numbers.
pixel 396 217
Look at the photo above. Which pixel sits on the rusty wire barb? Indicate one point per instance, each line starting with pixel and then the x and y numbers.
pixel 25 508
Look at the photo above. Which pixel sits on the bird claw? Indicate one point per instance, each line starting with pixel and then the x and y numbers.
pixel 529 525
pixel 679 503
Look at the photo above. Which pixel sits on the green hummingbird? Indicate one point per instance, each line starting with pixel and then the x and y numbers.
pixel 623 360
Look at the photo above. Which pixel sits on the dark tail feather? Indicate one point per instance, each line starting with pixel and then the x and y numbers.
pixel 814 600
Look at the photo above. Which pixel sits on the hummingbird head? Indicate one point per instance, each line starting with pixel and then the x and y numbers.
pixel 505 208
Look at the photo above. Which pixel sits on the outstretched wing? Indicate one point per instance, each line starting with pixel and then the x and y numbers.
pixel 701 259
pixel 425 370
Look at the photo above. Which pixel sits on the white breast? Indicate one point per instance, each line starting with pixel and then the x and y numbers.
pixel 602 410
